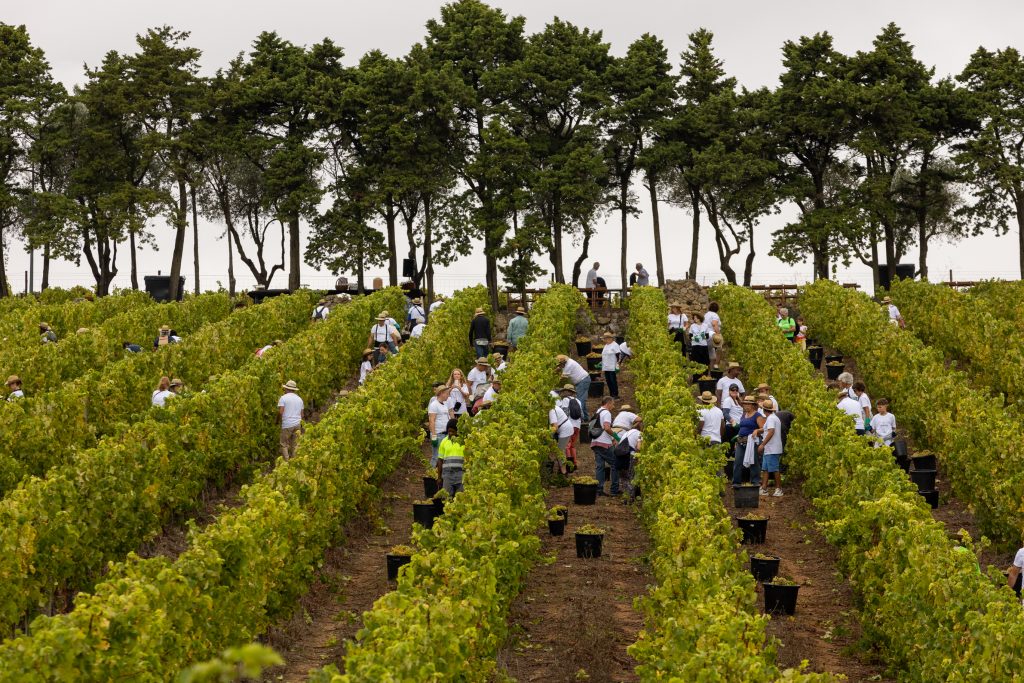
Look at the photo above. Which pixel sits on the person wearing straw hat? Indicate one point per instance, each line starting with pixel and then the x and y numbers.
pixel 383 333
pixel 750 422
pixel 289 416
pixel 163 337
pixel 625 459
pixel 517 327
pixel 610 364
pixel 770 449
pixel 624 419
pixel 14 384
pixel 321 310
pixel 677 323
pixel 894 313
pixel 162 392
pixel 731 376
pixel 712 419
pixel 580 378
pixel 570 405
pixel 765 392
pixel 415 315
pixel 498 363
pixel 603 447
pixel 439 412
pixel 480 333
pixel 176 386
pixel 46 334
pixel 437 303
pixel 480 374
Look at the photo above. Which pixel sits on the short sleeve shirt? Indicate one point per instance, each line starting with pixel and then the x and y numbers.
pixel 610 357
pixel 558 418
pixel 725 382
pixel 774 445
pixel 292 415
pixel 574 371
pixel 605 416
pixel 441 421
pixel 712 418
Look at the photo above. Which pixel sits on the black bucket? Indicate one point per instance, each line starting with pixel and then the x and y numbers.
pixel 583 348
pixel 924 462
pixel 556 526
pixel 924 479
pixel 500 348
pixel 430 487
pixel 593 363
pixel 754 530
pixel 423 514
pixel 746 496
pixel 707 385
pixel 815 355
pixel 932 497
pixel 834 358
pixel 833 371
pixel 780 599
pixel 396 562
pixel 588 545
pixel 584 494
pixel 716 373
pixel 764 569
pixel 596 388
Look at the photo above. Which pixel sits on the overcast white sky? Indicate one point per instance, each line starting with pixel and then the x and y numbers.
pixel 748 35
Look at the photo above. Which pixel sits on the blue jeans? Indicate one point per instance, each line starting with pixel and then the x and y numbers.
pixel 611 378
pixel 737 467
pixel 481 350
pixel 603 455
pixel 434 445
pixel 582 391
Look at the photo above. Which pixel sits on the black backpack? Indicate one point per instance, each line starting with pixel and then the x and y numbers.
pixel 594 427
pixel 622 448
pixel 318 312
pixel 575 412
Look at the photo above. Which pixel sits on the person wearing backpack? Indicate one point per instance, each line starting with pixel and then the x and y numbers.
pixel 602 443
pixel 561 430
pixel 321 311
pixel 625 450
pixel 571 406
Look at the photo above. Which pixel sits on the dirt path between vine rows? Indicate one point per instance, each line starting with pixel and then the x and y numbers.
pixel 575 618
pixel 351 579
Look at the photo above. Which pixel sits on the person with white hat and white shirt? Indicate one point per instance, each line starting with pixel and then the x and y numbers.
pixel 289 416
pixel 625 418
pixel 438 414
pixel 712 420
pixel 570 405
pixel 416 314
pixel 480 374
pixel 383 333
pixel 731 376
pixel 770 449
pixel 580 378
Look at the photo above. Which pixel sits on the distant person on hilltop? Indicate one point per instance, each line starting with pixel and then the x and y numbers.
pixel 640 276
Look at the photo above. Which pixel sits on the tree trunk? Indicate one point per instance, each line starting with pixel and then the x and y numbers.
pixel 428 251
pixel 1019 206
pixel 195 237
pixel 922 256
pixel 389 220
pixel 695 206
pixel 133 257
pixel 623 258
pixel 294 254
pixel 577 267
pixel 725 253
pixel 5 289
pixel 231 268
pixel 875 280
pixel 748 267
pixel 556 225
pixel 652 188
pixel 45 284
pixel 890 250
pixel 181 223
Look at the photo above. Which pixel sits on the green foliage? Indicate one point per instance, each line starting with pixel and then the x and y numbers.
pixel 1003 300
pixel 975 437
pixel 234 664
pixel 921 597
pixel 699 620
pixel 953 323
pixel 452 599
pixel 153 617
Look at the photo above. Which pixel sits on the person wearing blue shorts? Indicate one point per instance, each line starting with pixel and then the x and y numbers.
pixel 770 448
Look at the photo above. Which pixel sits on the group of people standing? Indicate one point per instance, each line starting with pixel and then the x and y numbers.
pixel 700 337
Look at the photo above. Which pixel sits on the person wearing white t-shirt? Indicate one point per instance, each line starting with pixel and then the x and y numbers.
pixel 770 449
pixel 561 429
pixel 712 420
pixel 1014 575
pixel 859 392
pixel 461 392
pixel 480 374
pixel 289 415
pixel 580 378
pixel 884 424
pixel 568 398
pixel 383 333
pixel 731 406
pixel 713 323
pixel 438 414
pixel 845 380
pixel 14 384
pixel 417 330
pixel 416 314
pixel 731 376
pixel 634 438
pixel 678 324
pixel 366 366
pixel 625 418
pixel 602 445
pixel 894 313
pixel 699 341
pixel 492 391
pixel 765 392
pixel 851 407
pixel 610 364
pixel 438 302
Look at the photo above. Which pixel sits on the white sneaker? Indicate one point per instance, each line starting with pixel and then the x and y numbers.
pixel 764 491
pixel 778 493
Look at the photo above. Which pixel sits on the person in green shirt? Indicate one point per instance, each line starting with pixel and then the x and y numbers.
pixel 451 460
pixel 517 327
pixel 786 324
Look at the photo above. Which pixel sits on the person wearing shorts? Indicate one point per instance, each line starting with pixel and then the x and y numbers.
pixel 771 449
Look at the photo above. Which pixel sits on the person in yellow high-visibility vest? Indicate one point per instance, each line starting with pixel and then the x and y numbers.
pixel 451 456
